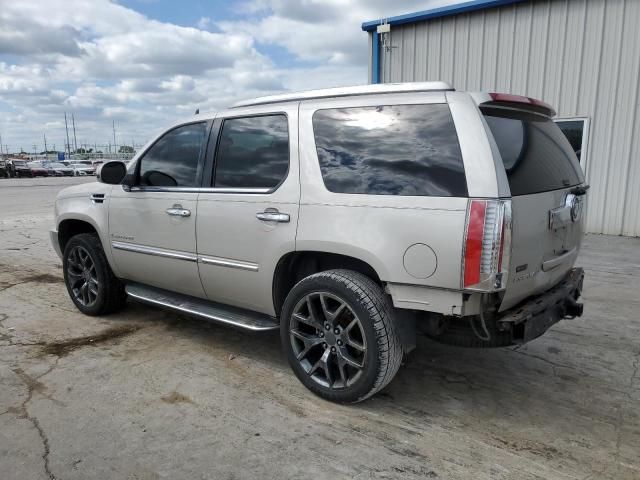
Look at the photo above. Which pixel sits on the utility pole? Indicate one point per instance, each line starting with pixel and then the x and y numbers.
pixel 66 126
pixel 0 145
pixel 113 124
pixel 46 150
pixel 75 142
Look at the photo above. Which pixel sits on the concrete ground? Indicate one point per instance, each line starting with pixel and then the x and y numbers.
pixel 147 394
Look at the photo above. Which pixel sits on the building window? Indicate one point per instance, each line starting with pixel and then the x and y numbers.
pixel 577 132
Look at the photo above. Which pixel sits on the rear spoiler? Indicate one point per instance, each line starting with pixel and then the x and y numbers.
pixel 514 101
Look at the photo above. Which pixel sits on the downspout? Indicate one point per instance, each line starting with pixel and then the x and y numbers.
pixel 375 57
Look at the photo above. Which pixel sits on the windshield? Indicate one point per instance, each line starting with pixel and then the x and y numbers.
pixel 536 155
pixel 35 164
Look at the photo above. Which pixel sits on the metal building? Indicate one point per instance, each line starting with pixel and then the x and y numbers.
pixel 581 56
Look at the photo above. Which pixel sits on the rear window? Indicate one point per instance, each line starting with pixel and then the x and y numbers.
pixel 536 155
pixel 390 150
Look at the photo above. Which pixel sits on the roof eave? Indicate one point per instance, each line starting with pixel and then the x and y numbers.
pixel 445 11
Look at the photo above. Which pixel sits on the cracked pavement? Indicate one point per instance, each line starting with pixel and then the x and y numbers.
pixel 148 394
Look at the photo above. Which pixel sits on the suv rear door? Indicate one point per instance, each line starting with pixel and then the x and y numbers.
pixel 544 177
pixel 248 214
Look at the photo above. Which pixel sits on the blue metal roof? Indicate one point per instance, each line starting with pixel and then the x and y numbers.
pixel 455 9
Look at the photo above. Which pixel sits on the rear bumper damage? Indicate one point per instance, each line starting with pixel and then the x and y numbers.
pixel 535 316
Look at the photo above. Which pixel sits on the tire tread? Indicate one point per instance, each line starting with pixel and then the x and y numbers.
pixel 114 294
pixel 371 296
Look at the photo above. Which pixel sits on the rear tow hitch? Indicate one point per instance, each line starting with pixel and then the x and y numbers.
pixel 573 309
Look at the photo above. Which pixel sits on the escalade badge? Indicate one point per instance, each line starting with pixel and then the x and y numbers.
pixel 576 208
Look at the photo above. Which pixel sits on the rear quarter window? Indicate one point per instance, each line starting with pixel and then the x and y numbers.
pixel 390 150
pixel 537 156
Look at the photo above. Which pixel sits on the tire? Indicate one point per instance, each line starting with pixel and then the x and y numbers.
pixel 365 304
pixel 107 294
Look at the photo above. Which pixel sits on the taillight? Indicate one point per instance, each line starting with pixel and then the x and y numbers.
pixel 487 245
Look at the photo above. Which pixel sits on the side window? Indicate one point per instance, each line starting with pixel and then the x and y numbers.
pixel 390 150
pixel 173 160
pixel 253 152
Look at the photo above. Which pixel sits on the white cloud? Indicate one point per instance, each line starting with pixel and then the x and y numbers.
pixel 102 61
pixel 204 23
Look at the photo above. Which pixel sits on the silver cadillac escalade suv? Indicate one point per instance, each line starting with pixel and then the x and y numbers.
pixel 348 218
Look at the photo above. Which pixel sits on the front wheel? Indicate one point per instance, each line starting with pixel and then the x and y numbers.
pixel 339 337
pixel 91 284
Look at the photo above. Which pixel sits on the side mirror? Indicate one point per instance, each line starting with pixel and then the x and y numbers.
pixel 112 172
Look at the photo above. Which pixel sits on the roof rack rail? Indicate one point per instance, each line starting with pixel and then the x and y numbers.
pixel 349 91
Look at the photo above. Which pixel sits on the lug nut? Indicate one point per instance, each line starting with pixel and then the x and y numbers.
pixel 333 349
pixel 324 345
pixel 327 326
pixel 339 343
pixel 321 334
pixel 337 331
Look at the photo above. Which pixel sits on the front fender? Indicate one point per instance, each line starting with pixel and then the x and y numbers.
pixel 79 206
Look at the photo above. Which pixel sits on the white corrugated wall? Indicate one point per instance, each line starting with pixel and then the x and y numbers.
pixel 581 56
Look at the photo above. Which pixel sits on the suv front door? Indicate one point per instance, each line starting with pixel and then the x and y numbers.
pixel 247 218
pixel 152 224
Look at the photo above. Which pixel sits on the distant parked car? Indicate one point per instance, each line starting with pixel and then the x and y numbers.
pixel 57 169
pixel 31 169
pixel 96 163
pixel 80 169
pixel 18 168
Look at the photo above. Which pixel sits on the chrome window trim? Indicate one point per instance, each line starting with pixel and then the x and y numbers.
pixel 158 252
pixel 225 262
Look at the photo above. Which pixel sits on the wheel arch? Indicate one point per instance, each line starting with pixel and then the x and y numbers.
pixel 69 227
pixel 294 266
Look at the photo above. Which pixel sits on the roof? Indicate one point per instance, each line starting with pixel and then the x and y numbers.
pixel 446 11
pixel 349 91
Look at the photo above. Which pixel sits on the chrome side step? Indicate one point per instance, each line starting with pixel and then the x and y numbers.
pixel 214 312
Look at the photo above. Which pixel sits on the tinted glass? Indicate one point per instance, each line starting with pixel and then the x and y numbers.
pixel 536 155
pixel 390 150
pixel 253 152
pixel 573 130
pixel 173 160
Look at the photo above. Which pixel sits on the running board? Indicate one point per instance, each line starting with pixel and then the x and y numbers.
pixel 214 312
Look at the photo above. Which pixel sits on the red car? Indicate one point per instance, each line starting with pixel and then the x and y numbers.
pixel 36 169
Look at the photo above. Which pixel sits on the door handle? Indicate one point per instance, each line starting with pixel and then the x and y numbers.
pixel 178 211
pixel 273 215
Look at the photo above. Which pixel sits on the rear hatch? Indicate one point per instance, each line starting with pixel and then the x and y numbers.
pixel 546 184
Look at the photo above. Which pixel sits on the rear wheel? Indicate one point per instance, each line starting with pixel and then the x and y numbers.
pixel 338 334
pixel 91 284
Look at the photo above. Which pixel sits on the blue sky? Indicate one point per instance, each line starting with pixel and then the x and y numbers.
pixel 145 63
